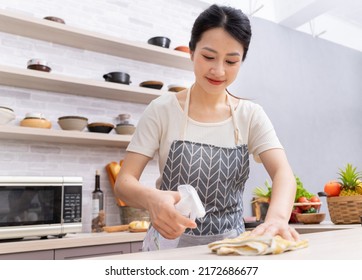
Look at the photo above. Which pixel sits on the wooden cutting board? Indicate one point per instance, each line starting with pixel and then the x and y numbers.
pixel 116 228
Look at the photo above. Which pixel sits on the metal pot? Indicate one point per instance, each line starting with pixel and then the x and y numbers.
pixel 160 41
pixel 117 77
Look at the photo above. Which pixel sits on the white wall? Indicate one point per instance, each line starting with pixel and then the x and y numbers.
pixel 311 89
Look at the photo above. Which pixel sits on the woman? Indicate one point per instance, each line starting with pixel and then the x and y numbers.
pixel 203 137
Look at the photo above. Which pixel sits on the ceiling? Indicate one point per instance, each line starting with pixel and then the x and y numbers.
pixel 339 21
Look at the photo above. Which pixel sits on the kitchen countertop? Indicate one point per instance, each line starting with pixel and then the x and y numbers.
pixel 69 241
pixel 102 238
pixel 343 244
pixel 324 226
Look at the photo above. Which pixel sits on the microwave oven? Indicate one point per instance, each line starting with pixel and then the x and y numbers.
pixel 40 206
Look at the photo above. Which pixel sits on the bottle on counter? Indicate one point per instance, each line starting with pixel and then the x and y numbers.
pixel 98 213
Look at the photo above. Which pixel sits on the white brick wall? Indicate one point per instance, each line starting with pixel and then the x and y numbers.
pixel 134 20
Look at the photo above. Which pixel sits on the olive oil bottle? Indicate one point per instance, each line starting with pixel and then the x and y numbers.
pixel 98 213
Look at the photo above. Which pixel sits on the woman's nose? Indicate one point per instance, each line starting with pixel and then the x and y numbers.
pixel 218 69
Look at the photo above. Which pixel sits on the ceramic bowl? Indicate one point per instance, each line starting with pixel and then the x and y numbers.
pixel 38 64
pixel 176 88
pixel 100 127
pixel 36 120
pixel 72 123
pixel 183 49
pixel 124 117
pixel 160 41
pixel 6 115
pixel 125 129
pixel 310 218
pixel 56 19
pixel 152 84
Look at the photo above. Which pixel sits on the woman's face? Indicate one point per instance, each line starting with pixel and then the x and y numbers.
pixel 217 59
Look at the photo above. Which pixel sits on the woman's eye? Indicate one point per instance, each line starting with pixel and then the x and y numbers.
pixel 231 62
pixel 208 57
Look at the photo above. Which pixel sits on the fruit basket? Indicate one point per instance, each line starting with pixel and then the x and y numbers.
pixel 345 204
pixel 307 208
pixel 345 209
pixel 308 205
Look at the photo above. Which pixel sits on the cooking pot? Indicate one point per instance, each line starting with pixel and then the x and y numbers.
pixel 117 77
pixel 160 41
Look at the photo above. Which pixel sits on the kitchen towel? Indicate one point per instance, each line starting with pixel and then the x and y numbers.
pixel 248 245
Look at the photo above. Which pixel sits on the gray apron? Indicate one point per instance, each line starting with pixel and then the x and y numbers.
pixel 218 175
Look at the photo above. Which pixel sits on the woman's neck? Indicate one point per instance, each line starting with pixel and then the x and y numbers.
pixel 206 107
pixel 208 100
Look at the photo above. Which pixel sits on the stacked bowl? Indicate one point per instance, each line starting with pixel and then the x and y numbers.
pixel 6 115
pixel 72 122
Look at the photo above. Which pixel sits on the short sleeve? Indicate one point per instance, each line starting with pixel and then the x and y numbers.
pixel 145 140
pixel 262 136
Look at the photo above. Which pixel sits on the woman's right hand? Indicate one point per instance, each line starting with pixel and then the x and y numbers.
pixel 160 204
pixel 164 217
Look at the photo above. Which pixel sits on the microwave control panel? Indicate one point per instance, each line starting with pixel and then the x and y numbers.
pixel 72 206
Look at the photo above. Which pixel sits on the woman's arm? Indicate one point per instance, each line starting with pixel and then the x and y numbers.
pixel 283 194
pixel 160 204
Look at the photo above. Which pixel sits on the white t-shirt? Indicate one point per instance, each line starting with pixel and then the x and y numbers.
pixel 163 122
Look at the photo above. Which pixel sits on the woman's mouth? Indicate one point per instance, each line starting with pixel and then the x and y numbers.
pixel 214 82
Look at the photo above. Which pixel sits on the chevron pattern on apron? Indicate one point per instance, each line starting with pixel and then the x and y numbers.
pixel 218 175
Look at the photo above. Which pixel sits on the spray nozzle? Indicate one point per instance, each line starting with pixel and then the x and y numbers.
pixel 190 204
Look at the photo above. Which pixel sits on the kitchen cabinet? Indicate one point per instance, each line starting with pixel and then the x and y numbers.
pixel 90 251
pixel 37 255
pixel 136 247
pixel 64 34
pixel 73 246
pixel 99 250
pixel 77 252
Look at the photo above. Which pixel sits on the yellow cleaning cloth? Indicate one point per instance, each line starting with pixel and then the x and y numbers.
pixel 247 245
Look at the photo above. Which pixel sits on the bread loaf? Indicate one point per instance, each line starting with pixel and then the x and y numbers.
pixel 113 169
pixel 139 226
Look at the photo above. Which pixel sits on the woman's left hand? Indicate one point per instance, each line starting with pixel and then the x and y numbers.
pixel 276 227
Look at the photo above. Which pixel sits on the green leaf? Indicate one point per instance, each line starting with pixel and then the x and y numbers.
pixel 301 191
pixel 262 192
pixel 267 190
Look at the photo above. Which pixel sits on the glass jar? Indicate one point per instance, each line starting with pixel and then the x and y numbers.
pixel 125 119
pixel 125 125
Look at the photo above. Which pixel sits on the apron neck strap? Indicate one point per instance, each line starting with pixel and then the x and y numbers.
pixel 186 117
pixel 236 128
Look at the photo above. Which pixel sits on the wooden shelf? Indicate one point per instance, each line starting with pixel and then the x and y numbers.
pixel 63 136
pixel 39 80
pixel 63 34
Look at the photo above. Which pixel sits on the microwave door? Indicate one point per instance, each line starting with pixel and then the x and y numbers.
pixel 35 205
